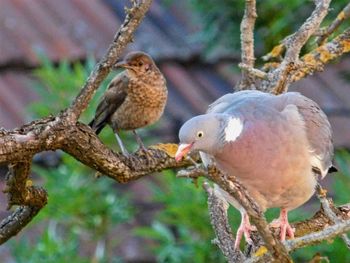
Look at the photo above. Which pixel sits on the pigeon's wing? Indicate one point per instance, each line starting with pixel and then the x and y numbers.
pixel 110 102
pixel 318 130
pixel 224 103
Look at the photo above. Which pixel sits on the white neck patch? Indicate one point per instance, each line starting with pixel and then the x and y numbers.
pixel 233 129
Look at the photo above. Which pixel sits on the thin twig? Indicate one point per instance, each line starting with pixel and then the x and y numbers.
pixel 344 14
pixel 247 43
pixel 254 72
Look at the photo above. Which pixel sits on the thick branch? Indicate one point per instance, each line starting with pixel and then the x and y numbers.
pixel 14 223
pixel 247 43
pixel 124 35
pixel 84 145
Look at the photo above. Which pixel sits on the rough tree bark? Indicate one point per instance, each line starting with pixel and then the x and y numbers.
pixel 65 132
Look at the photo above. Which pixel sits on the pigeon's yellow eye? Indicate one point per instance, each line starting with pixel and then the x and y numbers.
pixel 200 134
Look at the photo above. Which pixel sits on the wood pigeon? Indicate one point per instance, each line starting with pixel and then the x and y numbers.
pixel 275 145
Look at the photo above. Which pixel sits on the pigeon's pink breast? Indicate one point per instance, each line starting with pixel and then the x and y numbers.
pixel 272 159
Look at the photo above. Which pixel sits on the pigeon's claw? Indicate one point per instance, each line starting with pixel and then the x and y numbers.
pixel 283 224
pixel 244 229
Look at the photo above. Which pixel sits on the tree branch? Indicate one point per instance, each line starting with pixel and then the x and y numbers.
pixel 19 189
pixel 316 59
pixel 254 72
pixel 293 44
pixel 321 194
pixel 20 192
pixel 314 238
pixel 344 14
pixel 307 232
pixel 14 223
pixel 247 43
pixel 219 220
pixel 124 35
pixel 231 185
pixel 17 147
pixel 84 145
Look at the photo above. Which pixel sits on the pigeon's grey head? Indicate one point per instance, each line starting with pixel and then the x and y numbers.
pixel 207 133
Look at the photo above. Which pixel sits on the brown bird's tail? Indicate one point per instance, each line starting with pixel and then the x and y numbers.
pixel 97 127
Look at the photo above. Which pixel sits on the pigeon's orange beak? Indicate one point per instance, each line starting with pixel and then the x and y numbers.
pixel 183 149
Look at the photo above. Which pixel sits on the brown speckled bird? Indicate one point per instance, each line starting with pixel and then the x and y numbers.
pixel 135 98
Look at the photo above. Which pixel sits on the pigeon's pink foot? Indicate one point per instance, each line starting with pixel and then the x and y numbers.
pixel 283 224
pixel 244 229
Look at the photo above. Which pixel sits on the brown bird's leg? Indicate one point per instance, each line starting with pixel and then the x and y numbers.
pixel 244 229
pixel 283 224
pixel 139 141
pixel 121 145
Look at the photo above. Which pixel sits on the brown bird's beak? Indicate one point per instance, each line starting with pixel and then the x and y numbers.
pixel 183 149
pixel 122 64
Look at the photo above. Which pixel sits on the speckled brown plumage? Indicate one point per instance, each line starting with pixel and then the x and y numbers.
pixel 135 98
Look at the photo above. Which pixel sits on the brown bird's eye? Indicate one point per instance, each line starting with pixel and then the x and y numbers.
pixel 200 134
